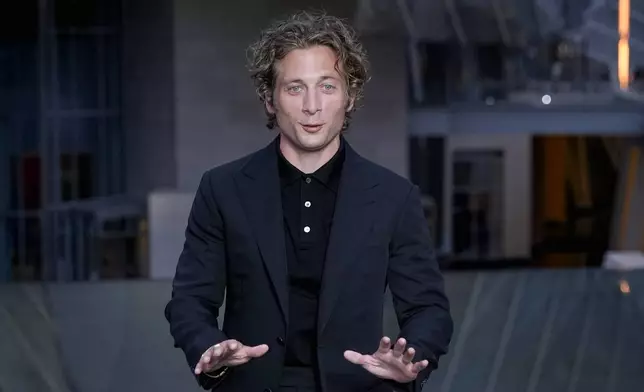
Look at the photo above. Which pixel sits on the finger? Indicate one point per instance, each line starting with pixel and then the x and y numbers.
pixel 256 351
pixel 225 352
pixel 419 366
pixel 354 357
pixel 207 356
pixel 234 345
pixel 219 351
pixel 399 347
pixel 204 361
pixel 408 356
pixel 385 345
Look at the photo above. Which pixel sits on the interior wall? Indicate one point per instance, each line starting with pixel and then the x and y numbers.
pixel 148 95
pixel 5 186
pixel 218 115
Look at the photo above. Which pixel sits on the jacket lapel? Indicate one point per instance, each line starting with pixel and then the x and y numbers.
pixel 259 191
pixel 352 223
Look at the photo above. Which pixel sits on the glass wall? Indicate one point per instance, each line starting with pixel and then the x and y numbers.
pixel 492 73
pixel 63 143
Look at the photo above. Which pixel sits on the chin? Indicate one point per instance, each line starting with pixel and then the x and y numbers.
pixel 314 142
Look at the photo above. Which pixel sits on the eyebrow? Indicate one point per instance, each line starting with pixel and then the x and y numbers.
pixel 321 79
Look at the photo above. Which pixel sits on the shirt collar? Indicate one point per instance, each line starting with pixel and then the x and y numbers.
pixel 328 174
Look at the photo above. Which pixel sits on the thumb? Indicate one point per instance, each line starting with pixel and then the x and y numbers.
pixel 256 351
pixel 354 357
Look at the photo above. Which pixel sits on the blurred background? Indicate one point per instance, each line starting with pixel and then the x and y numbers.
pixel 521 121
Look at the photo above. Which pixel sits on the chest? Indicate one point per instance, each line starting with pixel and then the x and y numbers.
pixel 308 208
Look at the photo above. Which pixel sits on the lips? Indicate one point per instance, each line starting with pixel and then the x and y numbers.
pixel 312 127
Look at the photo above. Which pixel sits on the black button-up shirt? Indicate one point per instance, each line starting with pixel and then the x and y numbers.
pixel 308 203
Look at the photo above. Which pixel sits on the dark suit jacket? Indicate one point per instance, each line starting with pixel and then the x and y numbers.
pixel 235 241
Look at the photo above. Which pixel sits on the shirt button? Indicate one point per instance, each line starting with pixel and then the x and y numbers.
pixel 307 204
pixel 308 180
pixel 307 229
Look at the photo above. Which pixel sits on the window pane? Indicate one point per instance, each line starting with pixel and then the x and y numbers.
pixel 78 72
pixel 25 183
pixel 477 204
pixel 25 247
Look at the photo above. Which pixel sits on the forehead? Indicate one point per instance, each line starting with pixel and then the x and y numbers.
pixel 315 61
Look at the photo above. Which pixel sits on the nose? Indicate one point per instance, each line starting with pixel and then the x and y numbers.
pixel 311 104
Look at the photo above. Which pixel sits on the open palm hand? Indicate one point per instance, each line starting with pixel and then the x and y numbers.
pixel 389 363
pixel 228 353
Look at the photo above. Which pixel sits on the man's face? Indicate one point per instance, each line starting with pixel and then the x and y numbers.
pixel 310 100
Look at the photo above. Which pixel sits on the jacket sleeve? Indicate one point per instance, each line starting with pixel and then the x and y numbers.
pixel 199 283
pixel 417 288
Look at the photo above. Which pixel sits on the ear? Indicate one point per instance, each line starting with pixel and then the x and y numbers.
pixel 268 103
pixel 350 104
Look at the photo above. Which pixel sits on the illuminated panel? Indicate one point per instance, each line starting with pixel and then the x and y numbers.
pixel 623 47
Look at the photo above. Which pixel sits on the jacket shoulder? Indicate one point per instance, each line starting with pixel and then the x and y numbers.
pixel 226 170
pixel 389 178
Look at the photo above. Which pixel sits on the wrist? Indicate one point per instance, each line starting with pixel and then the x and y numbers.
pixel 217 373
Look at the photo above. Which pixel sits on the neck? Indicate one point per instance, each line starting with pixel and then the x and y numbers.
pixel 308 161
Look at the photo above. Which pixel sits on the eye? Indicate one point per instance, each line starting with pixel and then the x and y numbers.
pixel 328 87
pixel 294 89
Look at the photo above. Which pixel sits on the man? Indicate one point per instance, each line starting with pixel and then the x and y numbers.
pixel 304 236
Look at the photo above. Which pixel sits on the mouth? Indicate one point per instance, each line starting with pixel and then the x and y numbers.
pixel 312 127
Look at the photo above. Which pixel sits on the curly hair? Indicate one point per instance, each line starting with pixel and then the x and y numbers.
pixel 304 30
